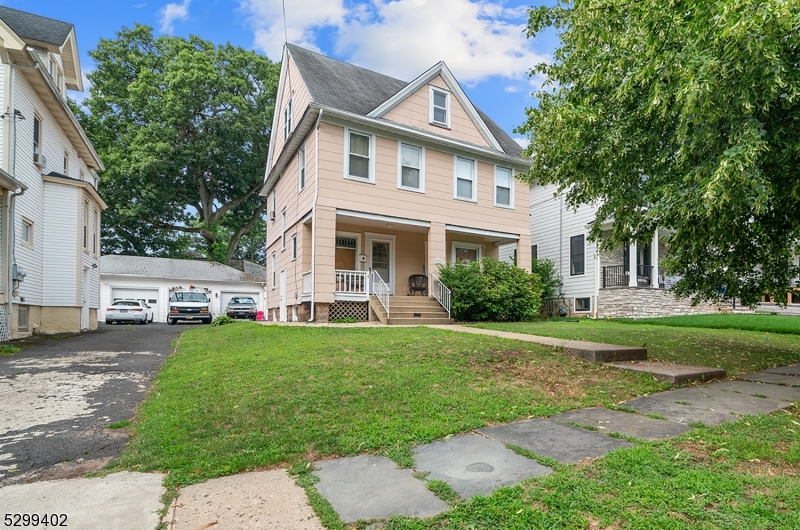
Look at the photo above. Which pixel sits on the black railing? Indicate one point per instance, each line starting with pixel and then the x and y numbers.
pixel 617 276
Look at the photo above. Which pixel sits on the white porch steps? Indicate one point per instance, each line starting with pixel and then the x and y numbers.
pixel 411 310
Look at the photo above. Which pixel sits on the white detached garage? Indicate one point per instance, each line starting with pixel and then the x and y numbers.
pixel 154 279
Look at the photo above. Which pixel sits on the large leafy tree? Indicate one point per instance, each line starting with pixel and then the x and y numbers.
pixel 681 114
pixel 183 128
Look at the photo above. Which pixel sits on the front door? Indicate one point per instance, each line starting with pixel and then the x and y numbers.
pixel 380 260
pixel 283 296
pixel 85 306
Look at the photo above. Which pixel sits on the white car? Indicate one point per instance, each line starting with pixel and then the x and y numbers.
pixel 135 311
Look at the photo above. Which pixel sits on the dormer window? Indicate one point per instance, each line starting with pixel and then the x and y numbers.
pixel 440 107
pixel 287 120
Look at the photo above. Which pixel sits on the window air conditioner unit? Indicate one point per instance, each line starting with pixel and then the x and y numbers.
pixel 40 160
pixel 272 215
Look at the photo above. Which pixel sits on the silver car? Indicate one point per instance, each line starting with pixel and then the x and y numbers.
pixel 134 311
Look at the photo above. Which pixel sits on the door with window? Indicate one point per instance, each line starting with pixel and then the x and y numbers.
pixel 381 259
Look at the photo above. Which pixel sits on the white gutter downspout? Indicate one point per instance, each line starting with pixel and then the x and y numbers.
pixel 314 220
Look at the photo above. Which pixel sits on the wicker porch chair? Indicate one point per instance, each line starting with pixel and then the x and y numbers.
pixel 417 283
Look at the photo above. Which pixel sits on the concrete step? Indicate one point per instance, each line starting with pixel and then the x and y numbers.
pixel 407 300
pixel 419 314
pixel 420 321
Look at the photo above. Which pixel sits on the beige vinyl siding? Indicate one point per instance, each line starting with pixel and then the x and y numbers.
pixel 415 111
pixel 294 87
pixel 436 204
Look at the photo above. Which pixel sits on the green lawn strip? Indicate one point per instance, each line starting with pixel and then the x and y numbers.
pixel 764 323
pixel 248 396
pixel 739 475
pixel 736 351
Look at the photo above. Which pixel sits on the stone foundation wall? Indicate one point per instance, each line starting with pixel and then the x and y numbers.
pixel 645 302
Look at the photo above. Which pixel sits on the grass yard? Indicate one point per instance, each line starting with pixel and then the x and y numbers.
pixel 246 396
pixel 766 323
pixel 737 351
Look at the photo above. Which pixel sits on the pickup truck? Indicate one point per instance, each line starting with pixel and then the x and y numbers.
pixel 189 305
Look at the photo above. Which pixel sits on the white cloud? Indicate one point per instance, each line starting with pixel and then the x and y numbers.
pixel 511 89
pixel 523 142
pixel 172 12
pixel 403 38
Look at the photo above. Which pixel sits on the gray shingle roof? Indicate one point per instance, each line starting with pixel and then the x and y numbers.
pixel 35 27
pixel 179 269
pixel 348 87
pixel 249 267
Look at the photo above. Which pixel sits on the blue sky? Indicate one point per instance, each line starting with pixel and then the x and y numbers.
pixel 482 41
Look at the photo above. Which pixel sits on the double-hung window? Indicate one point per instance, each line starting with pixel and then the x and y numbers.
pixel 274 270
pixel 66 163
pixel 466 179
pixel 466 252
pixel 411 170
pixel 274 205
pixel 27 232
pixel 359 153
pixel 287 120
pixel 86 225
pixel 301 162
pixel 503 187
pixel 439 107
pixel 294 247
pixel 37 138
pixel 283 229
pixel 576 255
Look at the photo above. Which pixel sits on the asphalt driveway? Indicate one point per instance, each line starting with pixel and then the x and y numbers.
pixel 58 398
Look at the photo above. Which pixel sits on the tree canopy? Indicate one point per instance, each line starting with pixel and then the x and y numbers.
pixel 183 128
pixel 681 114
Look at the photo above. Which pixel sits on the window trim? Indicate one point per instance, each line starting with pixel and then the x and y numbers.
pixel 535 252
pixel 370 165
pixel 96 241
pixel 66 163
pixel 474 197
pixel 510 205
pixel 86 226
pixel 575 304
pixel 283 229
pixel 31 225
pixel 37 128
pixel 20 308
pixel 448 106
pixel 583 253
pixel 274 268
pixel 287 119
pixel 275 204
pixel 301 168
pixel 294 246
pixel 421 188
pixel 464 244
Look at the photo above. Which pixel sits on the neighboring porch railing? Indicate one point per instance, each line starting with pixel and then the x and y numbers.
pixel 380 290
pixel 352 282
pixel 617 276
pixel 440 292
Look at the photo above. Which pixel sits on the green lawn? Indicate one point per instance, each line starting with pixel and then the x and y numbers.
pixel 735 350
pixel 765 323
pixel 244 395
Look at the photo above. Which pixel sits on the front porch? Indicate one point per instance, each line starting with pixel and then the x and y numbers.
pixel 617 265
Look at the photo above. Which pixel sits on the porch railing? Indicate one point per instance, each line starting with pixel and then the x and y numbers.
pixel 351 282
pixel 617 276
pixel 440 292
pixel 380 290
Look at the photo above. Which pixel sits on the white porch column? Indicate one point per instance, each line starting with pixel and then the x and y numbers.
pixel 633 277
pixel 654 260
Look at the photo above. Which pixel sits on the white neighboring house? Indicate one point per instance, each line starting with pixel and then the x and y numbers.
pixel 597 284
pixel 49 280
pixel 154 279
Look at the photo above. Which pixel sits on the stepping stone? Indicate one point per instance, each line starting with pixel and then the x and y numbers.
pixel 679 413
pixel 371 487
pixel 671 372
pixel 772 378
pixel 625 423
pixel 474 465
pixel 549 438
pixel 783 393
pixel 721 401
pixel 784 370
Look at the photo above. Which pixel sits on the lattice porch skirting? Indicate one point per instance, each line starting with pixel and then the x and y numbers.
pixel 348 309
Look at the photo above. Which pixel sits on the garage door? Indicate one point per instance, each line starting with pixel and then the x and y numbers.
pixel 150 296
pixel 225 297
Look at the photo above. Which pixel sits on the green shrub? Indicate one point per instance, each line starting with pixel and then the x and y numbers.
pixel 344 320
pixel 223 319
pixel 546 270
pixel 491 290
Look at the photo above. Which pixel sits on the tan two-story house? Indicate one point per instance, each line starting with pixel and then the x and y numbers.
pixel 373 182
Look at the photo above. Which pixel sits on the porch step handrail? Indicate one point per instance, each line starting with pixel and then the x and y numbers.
pixel 440 292
pixel 380 290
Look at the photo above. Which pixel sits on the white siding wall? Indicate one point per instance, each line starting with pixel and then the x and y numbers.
pixel 4 106
pixel 506 252
pixel 60 284
pixel 220 291
pixel 552 225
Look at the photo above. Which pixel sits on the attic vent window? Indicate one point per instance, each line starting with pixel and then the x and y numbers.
pixel 440 107
pixel 346 242
pixel 287 120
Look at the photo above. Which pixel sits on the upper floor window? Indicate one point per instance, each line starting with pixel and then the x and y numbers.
pixel 465 176
pixel 411 173
pixel 66 163
pixel 503 187
pixel 27 232
pixel 86 225
pixel 274 210
pixel 96 238
pixel 274 269
pixel 440 106
pixel 359 149
pixel 37 138
pixel 283 229
pixel 294 246
pixel 287 120
pixel 576 255
pixel 301 161
pixel 52 68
